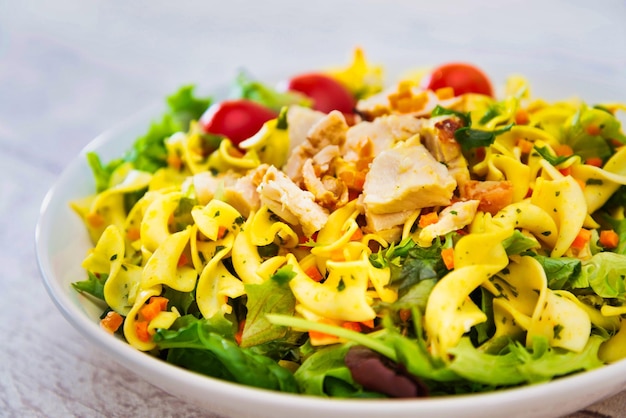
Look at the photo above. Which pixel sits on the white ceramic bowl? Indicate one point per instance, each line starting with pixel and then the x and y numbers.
pixel 62 242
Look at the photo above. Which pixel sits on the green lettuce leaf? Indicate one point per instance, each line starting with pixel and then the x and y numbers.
pixel 606 273
pixel 272 296
pixel 93 285
pixel 207 347
pixel 563 272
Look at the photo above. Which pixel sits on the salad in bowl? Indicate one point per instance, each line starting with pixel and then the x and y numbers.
pixel 336 237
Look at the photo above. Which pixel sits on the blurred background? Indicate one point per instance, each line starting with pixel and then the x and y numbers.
pixel 70 69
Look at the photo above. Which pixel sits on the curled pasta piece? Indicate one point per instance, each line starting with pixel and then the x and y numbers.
pixel 107 208
pixel 217 219
pixel 342 296
pixel 154 227
pixel 614 349
pixel 216 285
pixel 450 312
pixel 130 323
pixel 227 157
pixel 245 256
pixel 522 294
pixel 265 228
pixel 601 183
pixel 123 280
pixel 563 199
pixel 525 215
pixel 338 231
pixel 271 143
pixel 163 268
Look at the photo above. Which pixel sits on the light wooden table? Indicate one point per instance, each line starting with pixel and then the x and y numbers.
pixel 70 69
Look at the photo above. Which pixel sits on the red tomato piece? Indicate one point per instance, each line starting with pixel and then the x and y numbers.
pixel 237 119
pixel 463 78
pixel 326 92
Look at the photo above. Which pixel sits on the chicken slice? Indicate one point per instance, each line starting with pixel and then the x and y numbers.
pixel 406 177
pixel 289 202
pixel 382 133
pixel 329 191
pixel 206 184
pixel 452 218
pixel 299 121
pixel 243 195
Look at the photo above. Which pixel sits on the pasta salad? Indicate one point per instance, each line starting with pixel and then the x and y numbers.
pixel 342 238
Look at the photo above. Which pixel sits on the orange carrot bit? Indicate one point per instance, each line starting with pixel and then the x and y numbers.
pixel 444 93
pixel 221 231
pixel 239 333
pixel 581 184
pixel 359 180
pixel 582 238
pixel 353 326
pixel 428 219
pixel 133 234
pixel 111 322
pixel 153 307
pixel 174 161
pixel 594 161
pixel 358 234
pixel 563 150
pixel 609 238
pixel 525 145
pixel 369 323
pixel 565 171
pixel 593 129
pixel 321 338
pixel 447 254
pixel 314 273
pixel 182 260
pixel 521 117
pixel 94 219
pixel 141 329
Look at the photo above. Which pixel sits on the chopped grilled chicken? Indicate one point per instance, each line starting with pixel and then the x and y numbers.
pixel 289 202
pixel 329 191
pixel 404 178
pixel 438 136
pixel 452 218
pixel 330 130
pixel 493 195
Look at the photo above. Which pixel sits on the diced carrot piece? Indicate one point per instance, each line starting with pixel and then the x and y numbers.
pixel 174 161
pixel 428 219
pixel 358 234
pixel 314 273
pixel 353 326
pixel 369 323
pixel 94 219
pixel 521 117
pixel 566 171
pixel 583 237
pixel 609 238
pixel 447 254
pixel 525 145
pixel 239 333
pixel 321 338
pixel 141 329
pixel 581 184
pixel 133 234
pixel 153 307
pixel 112 321
pixel 593 129
pixel 444 93
pixel 594 161
pixel 182 260
pixel 563 150
pixel 359 180
pixel 221 231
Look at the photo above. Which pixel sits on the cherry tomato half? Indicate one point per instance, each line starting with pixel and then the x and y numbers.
pixel 463 78
pixel 326 92
pixel 237 120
